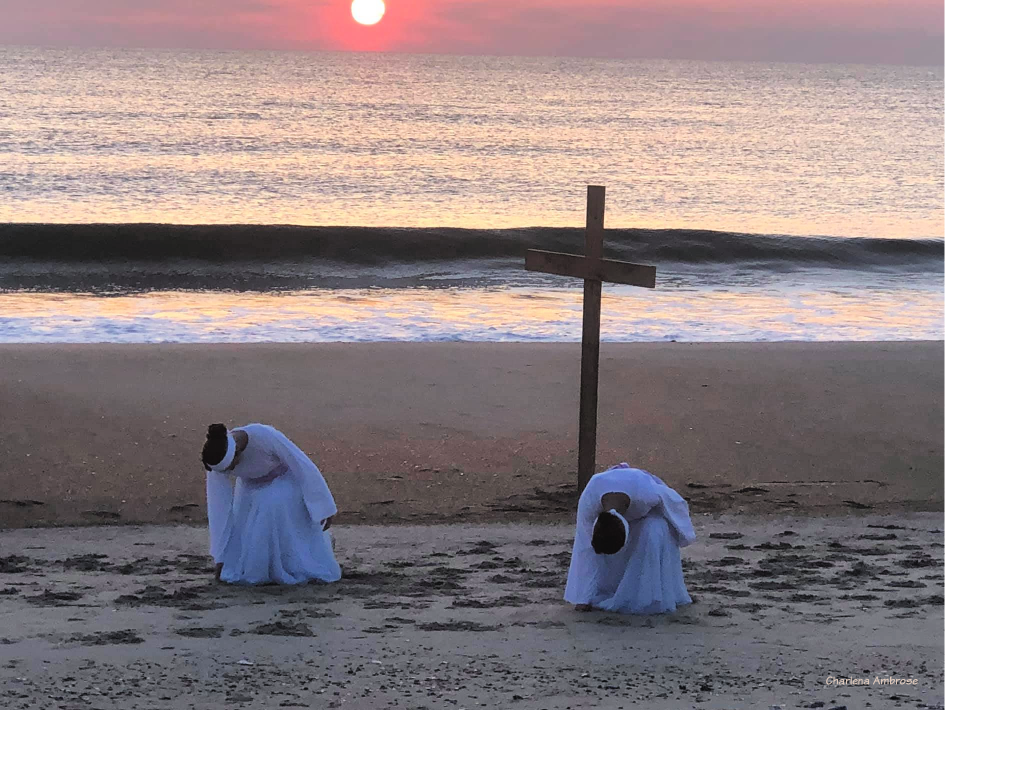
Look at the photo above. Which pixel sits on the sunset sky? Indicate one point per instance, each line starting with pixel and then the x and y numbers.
pixel 847 31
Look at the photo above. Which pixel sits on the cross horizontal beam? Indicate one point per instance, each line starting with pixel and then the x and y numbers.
pixel 605 270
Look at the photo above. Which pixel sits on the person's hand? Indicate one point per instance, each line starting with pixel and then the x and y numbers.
pixel 327 522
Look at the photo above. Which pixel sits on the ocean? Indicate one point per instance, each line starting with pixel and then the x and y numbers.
pixel 370 197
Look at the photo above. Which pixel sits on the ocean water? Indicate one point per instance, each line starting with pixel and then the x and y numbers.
pixel 520 310
pixel 833 175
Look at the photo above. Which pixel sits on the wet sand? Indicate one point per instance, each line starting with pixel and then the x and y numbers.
pixel 441 433
pixel 471 616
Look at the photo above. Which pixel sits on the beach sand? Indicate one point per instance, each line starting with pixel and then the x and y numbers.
pixel 471 616
pixel 814 472
pixel 430 433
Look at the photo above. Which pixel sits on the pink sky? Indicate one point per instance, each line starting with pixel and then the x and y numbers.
pixel 867 31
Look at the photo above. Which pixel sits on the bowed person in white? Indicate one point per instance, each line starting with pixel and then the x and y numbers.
pixel 630 527
pixel 269 509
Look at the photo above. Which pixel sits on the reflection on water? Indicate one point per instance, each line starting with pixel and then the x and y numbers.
pixel 266 137
pixel 769 312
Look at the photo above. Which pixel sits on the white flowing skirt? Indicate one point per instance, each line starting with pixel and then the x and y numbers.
pixel 273 540
pixel 645 577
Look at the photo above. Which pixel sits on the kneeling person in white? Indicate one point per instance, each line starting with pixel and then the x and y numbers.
pixel 269 509
pixel 629 529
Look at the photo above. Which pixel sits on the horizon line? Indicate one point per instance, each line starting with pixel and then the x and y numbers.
pixel 573 57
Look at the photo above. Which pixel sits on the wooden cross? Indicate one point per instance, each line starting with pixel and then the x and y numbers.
pixel 594 270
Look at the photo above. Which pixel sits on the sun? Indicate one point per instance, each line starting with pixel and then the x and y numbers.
pixel 368 12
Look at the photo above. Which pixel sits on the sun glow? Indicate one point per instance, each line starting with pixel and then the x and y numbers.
pixel 368 12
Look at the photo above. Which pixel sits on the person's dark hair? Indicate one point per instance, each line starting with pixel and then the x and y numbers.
pixel 216 446
pixel 609 534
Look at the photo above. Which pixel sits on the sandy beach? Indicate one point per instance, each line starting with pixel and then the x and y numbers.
pixel 814 472
pixel 471 616
pixel 430 433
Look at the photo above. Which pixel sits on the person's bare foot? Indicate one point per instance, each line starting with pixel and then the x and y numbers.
pixel 584 608
pixel 216 571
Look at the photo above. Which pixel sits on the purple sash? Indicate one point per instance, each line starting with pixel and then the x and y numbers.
pixel 267 479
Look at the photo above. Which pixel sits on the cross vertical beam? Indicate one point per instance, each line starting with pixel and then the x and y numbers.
pixel 594 269
pixel 590 361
